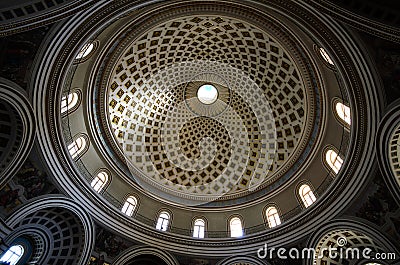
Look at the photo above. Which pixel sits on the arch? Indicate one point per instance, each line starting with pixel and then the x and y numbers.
pixel 163 221
pixel 100 181
pixel 272 216
pixel 34 241
pixel 356 234
pixel 236 227
pixel 343 238
pixel 79 146
pixel 387 139
pixel 27 252
pixel 16 97
pixel 70 102
pixel 333 160
pixel 307 195
pixel 127 255
pixel 52 201
pixel 199 228
pixel 129 206
pixel 13 255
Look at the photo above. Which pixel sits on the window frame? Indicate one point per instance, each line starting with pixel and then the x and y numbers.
pixel 127 204
pixel 195 220
pixel 231 231
pixel 80 151
pixel 69 110
pixel 340 120
pixel 160 226
pixel 325 56
pixel 13 253
pixel 329 165
pixel 105 184
pixel 277 221
pixel 83 59
pixel 300 194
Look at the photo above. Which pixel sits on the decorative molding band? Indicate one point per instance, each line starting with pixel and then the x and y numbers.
pixel 128 255
pixel 44 18
pixel 14 95
pixel 387 128
pixel 362 23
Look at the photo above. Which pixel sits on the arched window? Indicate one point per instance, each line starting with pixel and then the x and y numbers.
pixel 77 146
pixel 85 51
pixel 326 56
pixel 273 217
pixel 162 222
pixel 199 228
pixel 235 225
pixel 99 181
pixel 306 195
pixel 343 112
pixel 129 206
pixel 68 102
pixel 334 160
pixel 12 255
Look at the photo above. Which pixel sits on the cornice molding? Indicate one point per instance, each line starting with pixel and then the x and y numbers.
pixel 367 25
pixel 46 17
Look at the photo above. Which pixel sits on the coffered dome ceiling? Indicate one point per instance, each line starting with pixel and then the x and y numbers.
pixel 247 139
pixel 205 109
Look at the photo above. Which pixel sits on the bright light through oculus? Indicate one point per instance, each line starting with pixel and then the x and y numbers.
pixel 207 94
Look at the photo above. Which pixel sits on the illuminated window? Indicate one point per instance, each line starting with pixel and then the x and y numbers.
pixel 235 225
pixel 77 146
pixel 326 56
pixel 162 222
pixel 129 206
pixel 99 181
pixel 307 196
pixel 85 51
pixel 69 101
pixel 273 217
pixel 12 255
pixel 343 112
pixel 334 160
pixel 199 228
